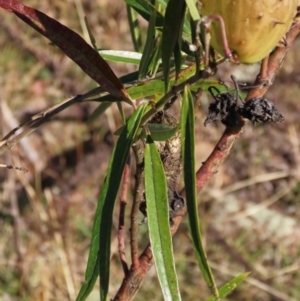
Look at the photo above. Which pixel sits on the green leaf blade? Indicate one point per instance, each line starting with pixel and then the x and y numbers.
pixel 229 287
pixel 145 9
pixel 158 221
pixel 135 29
pixel 191 4
pixel 121 56
pixel 160 132
pixel 149 46
pixel 99 111
pixel 99 256
pixel 171 34
pixel 187 123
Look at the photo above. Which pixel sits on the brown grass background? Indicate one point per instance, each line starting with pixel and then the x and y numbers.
pixel 249 211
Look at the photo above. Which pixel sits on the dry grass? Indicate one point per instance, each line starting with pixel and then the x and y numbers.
pixel 249 212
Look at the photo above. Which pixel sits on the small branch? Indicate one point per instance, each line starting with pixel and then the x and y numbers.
pixel 138 195
pixel 123 203
pixel 263 74
pixel 29 126
pixel 207 23
pixel 14 167
pixel 133 280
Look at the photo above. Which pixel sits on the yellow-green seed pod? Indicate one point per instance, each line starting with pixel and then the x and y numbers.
pixel 253 27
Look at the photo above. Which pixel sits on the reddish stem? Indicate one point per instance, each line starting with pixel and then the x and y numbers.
pixel 138 195
pixel 263 74
pixel 207 23
pixel 123 203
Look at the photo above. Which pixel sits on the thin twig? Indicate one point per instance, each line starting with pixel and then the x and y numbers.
pixel 123 203
pixel 29 126
pixel 13 167
pixel 138 195
pixel 207 23
pixel 263 74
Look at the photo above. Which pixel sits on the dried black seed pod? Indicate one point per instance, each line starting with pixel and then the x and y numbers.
pixel 224 108
pixel 143 207
pixel 176 203
pixel 260 110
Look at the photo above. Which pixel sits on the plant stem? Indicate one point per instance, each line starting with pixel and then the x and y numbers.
pixel 123 203
pixel 138 195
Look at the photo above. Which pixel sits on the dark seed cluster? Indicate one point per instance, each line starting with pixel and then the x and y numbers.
pixel 260 110
pixel 226 109
pixel 176 204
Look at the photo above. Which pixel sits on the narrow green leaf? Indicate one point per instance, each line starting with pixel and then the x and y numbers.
pixel 149 46
pixel 177 58
pixel 145 9
pixel 156 86
pixel 158 131
pixel 158 221
pixel 186 29
pixel 191 4
pixel 152 87
pixel 177 50
pixel 163 3
pixel 229 287
pixel 91 36
pixel 122 114
pixel 170 35
pixel 195 40
pixel 99 111
pixel 135 29
pixel 130 77
pixel 121 56
pixel 187 123
pixel 155 60
pixel 99 256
